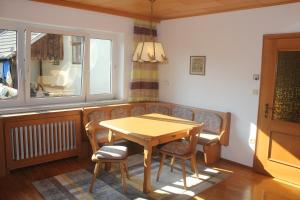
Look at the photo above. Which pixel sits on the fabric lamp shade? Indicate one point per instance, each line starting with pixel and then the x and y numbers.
pixel 149 52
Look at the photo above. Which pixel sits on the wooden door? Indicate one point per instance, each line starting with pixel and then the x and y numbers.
pixel 278 137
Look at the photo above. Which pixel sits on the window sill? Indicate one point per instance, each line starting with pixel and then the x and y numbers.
pixel 46 108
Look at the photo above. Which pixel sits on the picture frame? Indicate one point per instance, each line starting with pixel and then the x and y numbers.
pixel 197 65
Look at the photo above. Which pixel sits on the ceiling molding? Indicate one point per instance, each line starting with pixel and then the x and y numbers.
pixel 165 9
pixel 246 7
pixel 97 9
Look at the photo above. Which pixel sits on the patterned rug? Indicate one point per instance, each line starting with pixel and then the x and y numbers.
pixel 74 185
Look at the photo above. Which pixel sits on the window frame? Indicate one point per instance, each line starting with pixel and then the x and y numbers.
pixel 24 100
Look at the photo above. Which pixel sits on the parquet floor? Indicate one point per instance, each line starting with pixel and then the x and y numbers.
pixel 243 184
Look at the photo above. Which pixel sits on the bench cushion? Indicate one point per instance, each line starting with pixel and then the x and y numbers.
pixel 207 138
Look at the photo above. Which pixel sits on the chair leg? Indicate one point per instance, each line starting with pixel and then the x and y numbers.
pixel 107 167
pixel 160 166
pixel 126 169
pixel 194 165
pixel 96 173
pixel 172 163
pixel 183 172
pixel 123 179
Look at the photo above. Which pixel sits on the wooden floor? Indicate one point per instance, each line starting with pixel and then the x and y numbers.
pixel 242 184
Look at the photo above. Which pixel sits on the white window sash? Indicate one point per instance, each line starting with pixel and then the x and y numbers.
pixel 19 99
pixel 51 100
pixel 114 68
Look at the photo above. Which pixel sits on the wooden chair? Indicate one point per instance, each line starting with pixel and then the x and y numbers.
pixel 107 154
pixel 184 150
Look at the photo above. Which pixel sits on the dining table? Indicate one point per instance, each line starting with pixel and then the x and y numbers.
pixel 149 130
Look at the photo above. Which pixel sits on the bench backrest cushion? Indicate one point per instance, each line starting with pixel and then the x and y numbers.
pixel 137 111
pixel 212 121
pixel 158 108
pixel 182 112
pixel 119 112
pixel 97 115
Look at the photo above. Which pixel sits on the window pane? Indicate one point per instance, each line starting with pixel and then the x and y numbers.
pixel 287 91
pixel 56 65
pixel 8 64
pixel 100 66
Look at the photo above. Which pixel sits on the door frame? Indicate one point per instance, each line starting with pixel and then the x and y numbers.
pixel 267 38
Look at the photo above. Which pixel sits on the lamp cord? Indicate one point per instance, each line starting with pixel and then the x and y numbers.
pixel 151 28
pixel 151 19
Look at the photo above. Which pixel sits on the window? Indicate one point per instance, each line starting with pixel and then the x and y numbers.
pixel 8 64
pixel 100 66
pixel 53 72
pixel 47 65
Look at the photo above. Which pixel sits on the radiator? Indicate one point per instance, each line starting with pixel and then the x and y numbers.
pixel 40 140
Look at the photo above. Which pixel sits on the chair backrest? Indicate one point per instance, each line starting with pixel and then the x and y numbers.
pixel 193 137
pixel 91 129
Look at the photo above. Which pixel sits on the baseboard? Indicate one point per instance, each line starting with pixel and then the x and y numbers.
pixel 236 163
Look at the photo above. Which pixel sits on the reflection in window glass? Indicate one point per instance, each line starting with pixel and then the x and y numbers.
pixel 56 65
pixel 100 66
pixel 8 64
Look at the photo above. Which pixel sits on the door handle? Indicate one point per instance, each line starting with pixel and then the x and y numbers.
pixel 267 108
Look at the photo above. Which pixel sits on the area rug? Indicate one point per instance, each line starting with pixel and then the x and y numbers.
pixel 74 185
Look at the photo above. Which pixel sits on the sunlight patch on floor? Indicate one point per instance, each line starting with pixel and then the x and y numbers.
pixel 223 170
pixel 198 198
pixel 176 190
pixel 190 181
pixel 287 183
pixel 211 170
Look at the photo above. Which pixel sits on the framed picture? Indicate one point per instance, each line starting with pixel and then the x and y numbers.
pixel 197 65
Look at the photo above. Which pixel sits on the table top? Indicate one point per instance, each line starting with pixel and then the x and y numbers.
pixel 150 125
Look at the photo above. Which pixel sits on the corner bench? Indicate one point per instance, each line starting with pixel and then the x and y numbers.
pixel 216 124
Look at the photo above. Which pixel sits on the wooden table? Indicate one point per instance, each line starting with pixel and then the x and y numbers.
pixel 149 130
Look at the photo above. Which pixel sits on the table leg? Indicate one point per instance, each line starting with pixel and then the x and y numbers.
pixel 147 169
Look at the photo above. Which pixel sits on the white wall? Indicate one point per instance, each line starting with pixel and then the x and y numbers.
pixel 232 44
pixel 46 14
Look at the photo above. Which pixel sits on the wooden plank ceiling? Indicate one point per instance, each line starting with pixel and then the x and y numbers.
pixel 165 9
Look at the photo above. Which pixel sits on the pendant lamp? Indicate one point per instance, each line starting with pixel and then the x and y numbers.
pixel 150 51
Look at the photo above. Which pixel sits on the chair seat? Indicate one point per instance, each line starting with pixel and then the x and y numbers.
pixel 110 153
pixel 177 147
pixel 207 138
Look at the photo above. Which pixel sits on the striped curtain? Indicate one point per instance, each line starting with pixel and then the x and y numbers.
pixel 144 76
